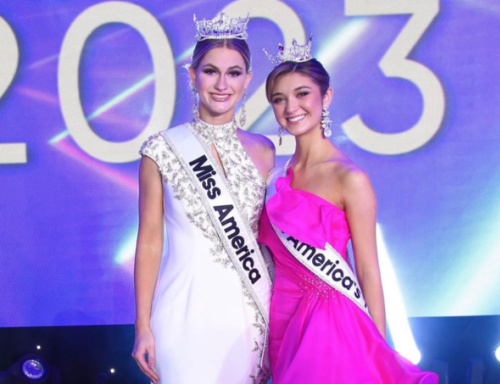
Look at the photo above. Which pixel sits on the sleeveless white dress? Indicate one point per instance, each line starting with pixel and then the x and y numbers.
pixel 207 328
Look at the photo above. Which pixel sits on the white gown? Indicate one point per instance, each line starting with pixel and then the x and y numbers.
pixel 207 328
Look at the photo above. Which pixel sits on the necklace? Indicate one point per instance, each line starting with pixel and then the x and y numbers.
pixel 215 133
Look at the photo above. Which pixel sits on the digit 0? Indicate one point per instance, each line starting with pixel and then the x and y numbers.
pixel 69 93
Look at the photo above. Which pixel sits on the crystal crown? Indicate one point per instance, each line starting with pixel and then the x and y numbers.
pixel 222 27
pixel 297 53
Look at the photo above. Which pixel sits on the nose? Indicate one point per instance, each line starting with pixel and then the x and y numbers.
pixel 221 83
pixel 291 106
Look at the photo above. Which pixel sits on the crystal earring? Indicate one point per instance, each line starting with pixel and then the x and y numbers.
pixel 280 134
pixel 243 112
pixel 326 122
pixel 196 113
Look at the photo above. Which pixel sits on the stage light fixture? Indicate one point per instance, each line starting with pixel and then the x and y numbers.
pixel 497 353
pixel 33 368
pixel 30 368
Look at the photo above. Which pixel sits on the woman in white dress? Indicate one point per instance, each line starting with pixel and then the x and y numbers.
pixel 196 321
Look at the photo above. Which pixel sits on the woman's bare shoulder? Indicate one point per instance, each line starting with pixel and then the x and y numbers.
pixel 343 181
pixel 357 187
pixel 260 149
pixel 257 141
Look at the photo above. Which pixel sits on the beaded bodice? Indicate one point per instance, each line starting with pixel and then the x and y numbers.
pixel 243 177
pixel 244 180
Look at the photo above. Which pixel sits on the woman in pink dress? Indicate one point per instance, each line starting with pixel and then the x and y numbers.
pixel 318 334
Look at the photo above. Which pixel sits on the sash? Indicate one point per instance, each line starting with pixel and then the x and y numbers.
pixel 231 226
pixel 327 264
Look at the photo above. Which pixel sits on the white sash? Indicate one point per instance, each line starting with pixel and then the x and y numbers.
pixel 327 264
pixel 224 213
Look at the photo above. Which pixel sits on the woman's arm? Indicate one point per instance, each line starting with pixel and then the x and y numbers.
pixel 361 211
pixel 147 262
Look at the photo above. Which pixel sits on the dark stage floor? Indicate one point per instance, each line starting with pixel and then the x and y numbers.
pixel 460 349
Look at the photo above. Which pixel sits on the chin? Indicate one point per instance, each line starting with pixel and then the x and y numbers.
pixel 221 111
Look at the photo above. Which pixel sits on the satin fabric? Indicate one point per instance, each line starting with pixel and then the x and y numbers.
pixel 206 327
pixel 317 335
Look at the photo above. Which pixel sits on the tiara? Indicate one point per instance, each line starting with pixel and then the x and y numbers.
pixel 221 27
pixel 297 53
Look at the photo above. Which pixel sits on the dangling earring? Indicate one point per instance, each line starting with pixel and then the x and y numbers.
pixel 243 112
pixel 280 134
pixel 196 113
pixel 326 122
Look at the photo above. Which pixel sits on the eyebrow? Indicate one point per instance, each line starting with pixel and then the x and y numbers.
pixel 296 89
pixel 229 69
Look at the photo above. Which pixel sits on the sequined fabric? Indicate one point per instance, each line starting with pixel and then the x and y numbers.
pixel 241 173
pixel 243 178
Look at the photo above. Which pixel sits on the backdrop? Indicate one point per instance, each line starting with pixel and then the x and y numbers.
pixel 84 82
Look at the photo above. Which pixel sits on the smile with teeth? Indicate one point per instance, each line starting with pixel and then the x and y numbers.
pixel 219 97
pixel 296 118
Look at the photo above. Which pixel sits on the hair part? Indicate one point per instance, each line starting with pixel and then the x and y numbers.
pixel 311 68
pixel 204 46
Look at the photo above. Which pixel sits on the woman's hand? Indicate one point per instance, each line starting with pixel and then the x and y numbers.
pixel 144 353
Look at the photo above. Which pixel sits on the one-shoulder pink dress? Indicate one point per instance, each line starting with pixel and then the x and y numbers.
pixel 318 335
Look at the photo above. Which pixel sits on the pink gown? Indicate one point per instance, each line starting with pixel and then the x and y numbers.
pixel 317 335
